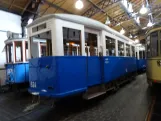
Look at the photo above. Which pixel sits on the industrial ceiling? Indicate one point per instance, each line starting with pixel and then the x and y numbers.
pixel 101 10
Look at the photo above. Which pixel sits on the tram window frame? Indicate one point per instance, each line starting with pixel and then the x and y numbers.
pixel 110 46
pixel 121 49
pixel 18 44
pixel 148 47
pixel 72 41
pixel 154 49
pixel 91 44
pixel 127 50
pixel 45 37
pixel 9 53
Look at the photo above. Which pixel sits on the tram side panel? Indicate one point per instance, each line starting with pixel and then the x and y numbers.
pixel 17 73
pixel 63 76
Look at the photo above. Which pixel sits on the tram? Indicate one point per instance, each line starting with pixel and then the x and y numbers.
pixel 17 66
pixel 153 53
pixel 83 56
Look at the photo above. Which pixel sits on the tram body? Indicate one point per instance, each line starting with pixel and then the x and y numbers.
pixel 153 56
pixel 83 56
pixel 17 66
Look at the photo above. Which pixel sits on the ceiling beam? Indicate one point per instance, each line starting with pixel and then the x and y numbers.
pixel 11 4
pixel 102 5
pixel 29 1
pixel 56 6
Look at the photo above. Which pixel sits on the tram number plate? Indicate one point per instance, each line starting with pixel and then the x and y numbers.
pixel 159 62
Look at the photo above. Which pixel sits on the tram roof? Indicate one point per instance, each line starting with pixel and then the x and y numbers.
pixel 15 39
pixel 91 23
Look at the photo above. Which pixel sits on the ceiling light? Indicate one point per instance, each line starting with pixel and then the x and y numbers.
pixel 30 21
pixel 79 4
pixel 149 24
pixel 136 40
pixel 122 31
pixel 107 21
pixel 143 10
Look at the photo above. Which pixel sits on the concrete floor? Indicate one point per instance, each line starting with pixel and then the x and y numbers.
pixel 130 103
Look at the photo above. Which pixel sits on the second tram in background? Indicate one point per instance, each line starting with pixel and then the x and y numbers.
pixel 153 52
pixel 17 67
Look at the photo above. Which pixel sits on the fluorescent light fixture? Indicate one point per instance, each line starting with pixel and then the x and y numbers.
pixel 144 27
pixel 79 4
pixel 143 10
pixel 130 8
pixel 122 31
pixel 138 20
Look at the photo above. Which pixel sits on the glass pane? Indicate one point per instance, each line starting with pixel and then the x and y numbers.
pixel 18 52
pixel 143 54
pixel 133 51
pixel 41 45
pixel 91 44
pixel 120 48
pixel 148 46
pixel 71 42
pixel 154 44
pixel 140 54
pixel 43 49
pixel 127 50
pixel 26 50
pixel 9 53
pixel 110 46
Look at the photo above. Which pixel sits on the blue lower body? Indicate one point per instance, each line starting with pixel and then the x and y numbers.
pixel 64 76
pixel 141 65
pixel 17 73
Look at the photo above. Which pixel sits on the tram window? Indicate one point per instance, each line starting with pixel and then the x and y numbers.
pixel 120 48
pixel 136 55
pixel 18 51
pixel 91 44
pixel 26 51
pixel 9 52
pixel 43 49
pixel 148 46
pixel 140 54
pixel 110 46
pixel 133 51
pixel 36 41
pixel 154 44
pixel 127 50
pixel 143 54
pixel 71 41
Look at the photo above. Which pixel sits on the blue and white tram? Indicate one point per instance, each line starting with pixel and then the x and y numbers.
pixel 17 66
pixel 83 56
